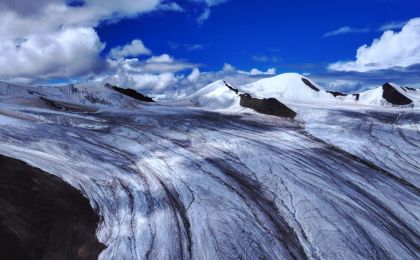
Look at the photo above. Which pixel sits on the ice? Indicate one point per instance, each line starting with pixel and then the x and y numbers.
pixel 203 178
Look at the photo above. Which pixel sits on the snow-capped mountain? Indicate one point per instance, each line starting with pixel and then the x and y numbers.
pixel 215 177
pixel 293 88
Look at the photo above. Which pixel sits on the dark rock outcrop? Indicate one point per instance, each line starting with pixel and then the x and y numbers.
pixel 231 88
pixel 42 217
pixel 393 96
pixel 337 94
pixel 269 106
pixel 66 106
pixel 309 84
pixel 131 93
pixel 357 96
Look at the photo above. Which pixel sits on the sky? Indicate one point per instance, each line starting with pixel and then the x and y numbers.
pixel 173 48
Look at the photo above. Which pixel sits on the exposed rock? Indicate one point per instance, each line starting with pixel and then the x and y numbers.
pixel 394 97
pixel 231 88
pixel 42 217
pixel 357 96
pixel 131 93
pixel 337 94
pixel 309 84
pixel 65 106
pixel 269 106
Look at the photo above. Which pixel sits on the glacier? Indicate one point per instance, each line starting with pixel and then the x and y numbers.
pixel 204 178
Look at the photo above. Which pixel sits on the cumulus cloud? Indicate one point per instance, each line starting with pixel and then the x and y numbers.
pixel 256 72
pixel 197 80
pixel 195 75
pixel 228 68
pixel 52 38
pixel 392 50
pixel 65 53
pixel 166 63
pixel 31 17
pixel 133 49
pixel 346 30
pixel 145 81
pixel 151 75
pixel 172 84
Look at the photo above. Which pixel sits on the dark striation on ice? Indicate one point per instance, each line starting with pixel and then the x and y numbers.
pixel 175 181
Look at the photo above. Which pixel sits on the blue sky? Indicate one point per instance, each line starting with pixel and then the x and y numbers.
pixel 162 45
pixel 291 32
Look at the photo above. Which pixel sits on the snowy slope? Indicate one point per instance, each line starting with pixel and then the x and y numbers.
pixel 375 96
pixel 173 181
pixel 288 86
pixel 89 95
pixel 293 89
pixel 216 96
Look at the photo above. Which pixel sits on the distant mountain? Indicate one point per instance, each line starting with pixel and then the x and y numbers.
pixel 292 88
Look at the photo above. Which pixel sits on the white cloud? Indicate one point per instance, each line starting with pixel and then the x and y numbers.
pixel 184 86
pixel 340 84
pixel 155 64
pixel 133 49
pixel 204 16
pixel 166 63
pixel 153 83
pixel 134 73
pixel 214 2
pixel 210 2
pixel 195 74
pixel 171 7
pixel 160 59
pixel 346 30
pixel 49 38
pixel 66 53
pixel 29 17
pixel 257 72
pixel 152 75
pixel 393 49
pixel 228 68
pixel 392 26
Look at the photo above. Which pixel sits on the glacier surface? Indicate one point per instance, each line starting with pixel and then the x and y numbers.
pixel 203 178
